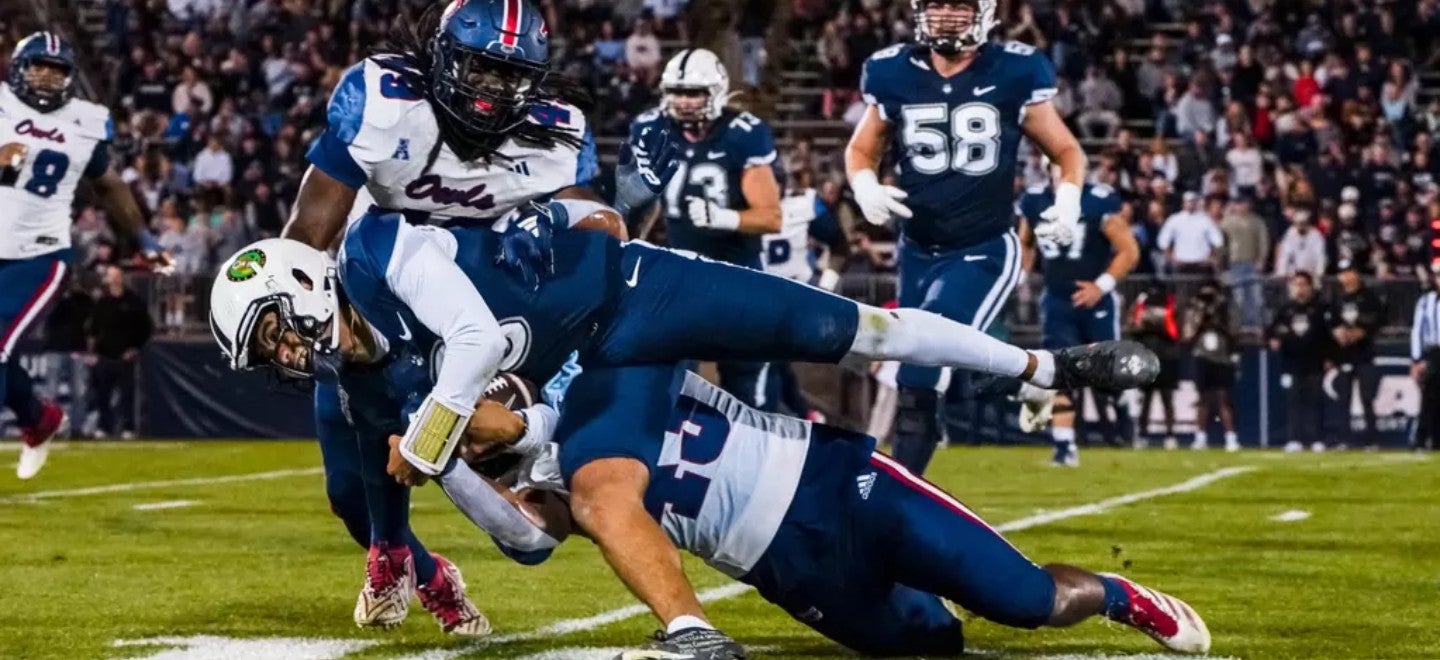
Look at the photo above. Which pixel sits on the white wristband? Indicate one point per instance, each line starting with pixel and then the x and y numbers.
pixel 434 431
pixel 1105 282
pixel 540 421
pixel 864 178
pixel 724 218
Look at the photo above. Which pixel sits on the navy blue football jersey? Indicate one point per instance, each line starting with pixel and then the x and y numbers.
pixel 713 168
pixel 1089 255
pixel 542 327
pixel 956 139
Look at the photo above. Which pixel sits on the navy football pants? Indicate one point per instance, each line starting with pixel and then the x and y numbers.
pixel 27 287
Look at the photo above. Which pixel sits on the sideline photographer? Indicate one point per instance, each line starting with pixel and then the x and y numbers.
pixel 1211 333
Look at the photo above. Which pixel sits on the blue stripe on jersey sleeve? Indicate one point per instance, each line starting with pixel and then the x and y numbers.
pixel 346 110
pixel 365 256
pixel 99 161
pixel 109 128
pixel 332 156
pixel 587 163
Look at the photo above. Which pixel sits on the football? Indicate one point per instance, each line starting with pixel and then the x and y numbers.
pixel 605 220
pixel 512 391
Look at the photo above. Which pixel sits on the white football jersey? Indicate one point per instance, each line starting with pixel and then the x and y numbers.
pixel 35 206
pixel 387 133
pixel 787 252
pixel 752 482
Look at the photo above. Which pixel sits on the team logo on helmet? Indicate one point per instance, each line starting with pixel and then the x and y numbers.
pixel 246 265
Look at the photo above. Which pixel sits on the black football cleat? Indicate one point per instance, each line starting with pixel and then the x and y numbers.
pixel 1112 366
pixel 689 644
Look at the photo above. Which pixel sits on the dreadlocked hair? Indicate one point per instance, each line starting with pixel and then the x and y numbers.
pixel 408 49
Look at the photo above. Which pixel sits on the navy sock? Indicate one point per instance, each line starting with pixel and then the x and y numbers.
pixel 917 428
pixel 1117 599
pixel 425 566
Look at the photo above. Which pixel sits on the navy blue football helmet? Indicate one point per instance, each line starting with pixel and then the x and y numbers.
pixel 490 58
pixel 45 48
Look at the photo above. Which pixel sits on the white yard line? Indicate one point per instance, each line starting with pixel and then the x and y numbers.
pixel 1293 515
pixel 569 626
pixel 167 504
pixel 171 483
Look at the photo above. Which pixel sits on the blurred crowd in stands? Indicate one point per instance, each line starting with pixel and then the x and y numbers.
pixel 1302 131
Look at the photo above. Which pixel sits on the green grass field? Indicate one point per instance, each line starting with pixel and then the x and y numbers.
pixel 232 553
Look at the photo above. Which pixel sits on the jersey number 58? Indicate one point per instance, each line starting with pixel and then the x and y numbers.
pixel 966 139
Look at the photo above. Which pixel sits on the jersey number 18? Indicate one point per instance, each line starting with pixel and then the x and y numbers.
pixel 46 171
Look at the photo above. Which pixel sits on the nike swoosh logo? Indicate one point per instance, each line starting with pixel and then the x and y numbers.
pixel 715 154
pixel 981 91
pixel 404 329
pixel 974 257
pixel 634 274
pixel 1101 315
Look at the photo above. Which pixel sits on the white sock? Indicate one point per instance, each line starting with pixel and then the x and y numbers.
pixel 1063 435
pixel 1044 375
pixel 921 338
pixel 686 622
pixel 1231 438
pixel 1201 437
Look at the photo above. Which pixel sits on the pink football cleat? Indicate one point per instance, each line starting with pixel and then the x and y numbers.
pixel 384 602
pixel 1164 618
pixel 444 597
pixel 35 447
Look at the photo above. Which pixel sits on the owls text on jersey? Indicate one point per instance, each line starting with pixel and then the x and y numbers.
pixel 787 252
pixel 381 135
pixel 713 168
pixel 956 139
pixel 1087 257
pixel 63 146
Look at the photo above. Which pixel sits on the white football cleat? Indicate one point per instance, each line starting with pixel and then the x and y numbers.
pixel 445 599
pixel 384 602
pixel 1232 445
pixel 1294 447
pixel 1037 406
pixel 1166 619
pixel 35 441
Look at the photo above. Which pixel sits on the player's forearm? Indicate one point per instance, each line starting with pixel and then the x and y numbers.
pixel 321 209
pixel 760 220
pixel 1071 159
pixel 120 207
pixel 866 146
pixel 494 509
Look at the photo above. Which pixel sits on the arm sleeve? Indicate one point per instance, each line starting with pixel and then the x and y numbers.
pixel 441 296
pixel 514 532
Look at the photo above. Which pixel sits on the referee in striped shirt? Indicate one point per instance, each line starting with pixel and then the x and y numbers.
pixel 1425 367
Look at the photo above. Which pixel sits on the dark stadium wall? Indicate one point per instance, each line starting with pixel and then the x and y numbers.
pixel 187 392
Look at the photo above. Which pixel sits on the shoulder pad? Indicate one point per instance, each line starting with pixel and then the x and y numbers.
pixel 1036 190
pixel 1018 48
pixel 93 119
pixel 648 116
pixel 888 52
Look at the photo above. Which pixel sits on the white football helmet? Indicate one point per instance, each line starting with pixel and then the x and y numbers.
pixel 694 70
pixel 951 35
pixel 289 276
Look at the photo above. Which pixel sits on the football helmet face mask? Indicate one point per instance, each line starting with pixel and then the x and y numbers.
pixel 490 58
pixel 42 71
pixel 695 88
pixel 952 26
pixel 275 303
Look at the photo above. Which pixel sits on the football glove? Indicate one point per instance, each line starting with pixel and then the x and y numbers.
pixel 646 166
pixel 1062 220
pixel 708 214
pixel 878 203
pixel 526 248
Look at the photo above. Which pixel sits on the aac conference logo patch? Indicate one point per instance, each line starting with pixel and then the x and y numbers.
pixel 246 265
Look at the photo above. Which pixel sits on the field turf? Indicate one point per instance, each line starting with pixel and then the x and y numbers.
pixel 228 550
